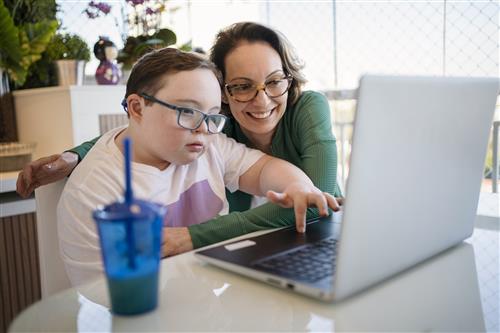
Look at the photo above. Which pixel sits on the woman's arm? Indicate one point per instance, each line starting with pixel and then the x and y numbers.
pixel 181 239
pixel 310 130
pixel 239 223
pixel 84 148
pixel 285 184
pixel 49 169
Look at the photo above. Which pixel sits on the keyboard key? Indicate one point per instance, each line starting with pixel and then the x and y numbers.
pixel 309 263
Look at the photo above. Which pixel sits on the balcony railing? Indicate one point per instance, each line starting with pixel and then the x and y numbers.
pixel 343 125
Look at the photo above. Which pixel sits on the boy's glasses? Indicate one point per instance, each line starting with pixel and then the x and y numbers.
pixel 246 91
pixel 192 119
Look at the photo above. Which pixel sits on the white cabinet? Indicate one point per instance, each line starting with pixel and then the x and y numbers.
pixel 59 118
pixel 10 203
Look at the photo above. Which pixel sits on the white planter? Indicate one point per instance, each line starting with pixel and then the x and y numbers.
pixel 58 118
pixel 70 72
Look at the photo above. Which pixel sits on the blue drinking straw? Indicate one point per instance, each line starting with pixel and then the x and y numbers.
pixel 129 198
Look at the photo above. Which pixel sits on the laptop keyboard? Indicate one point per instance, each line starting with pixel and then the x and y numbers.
pixel 309 263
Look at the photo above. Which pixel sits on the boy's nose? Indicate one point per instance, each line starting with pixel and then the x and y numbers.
pixel 203 128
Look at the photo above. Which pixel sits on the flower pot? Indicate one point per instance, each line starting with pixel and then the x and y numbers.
pixel 70 72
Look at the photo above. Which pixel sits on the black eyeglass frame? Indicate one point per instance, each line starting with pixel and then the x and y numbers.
pixel 181 109
pixel 259 87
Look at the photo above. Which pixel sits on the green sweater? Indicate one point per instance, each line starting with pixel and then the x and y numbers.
pixel 304 138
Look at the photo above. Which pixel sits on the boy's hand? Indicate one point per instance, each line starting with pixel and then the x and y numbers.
pixel 43 171
pixel 175 241
pixel 300 196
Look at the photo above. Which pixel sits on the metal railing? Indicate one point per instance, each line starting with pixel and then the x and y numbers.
pixel 343 133
pixel 494 169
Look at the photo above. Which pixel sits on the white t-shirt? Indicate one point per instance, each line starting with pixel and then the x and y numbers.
pixel 193 193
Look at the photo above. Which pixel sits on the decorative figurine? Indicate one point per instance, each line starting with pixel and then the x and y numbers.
pixel 108 71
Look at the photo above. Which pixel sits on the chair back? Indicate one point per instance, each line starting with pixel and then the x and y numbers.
pixel 53 275
pixel 109 121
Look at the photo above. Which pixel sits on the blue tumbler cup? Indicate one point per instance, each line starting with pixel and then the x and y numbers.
pixel 130 239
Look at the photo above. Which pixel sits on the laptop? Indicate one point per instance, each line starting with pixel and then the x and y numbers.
pixel 418 151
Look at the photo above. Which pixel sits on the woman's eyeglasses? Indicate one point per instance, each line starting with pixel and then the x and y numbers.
pixel 192 119
pixel 246 91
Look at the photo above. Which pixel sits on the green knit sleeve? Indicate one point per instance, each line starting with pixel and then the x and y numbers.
pixel 239 223
pixel 84 148
pixel 316 155
pixel 312 132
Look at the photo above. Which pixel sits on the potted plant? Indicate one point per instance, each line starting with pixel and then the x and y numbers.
pixel 136 47
pixel 21 45
pixel 70 53
pixel 24 35
pixel 143 20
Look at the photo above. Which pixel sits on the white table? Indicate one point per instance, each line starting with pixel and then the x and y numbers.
pixel 455 291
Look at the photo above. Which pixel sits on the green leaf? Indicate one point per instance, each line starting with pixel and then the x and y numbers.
pixel 155 41
pixel 135 47
pixel 142 49
pixel 67 46
pixel 17 73
pixel 186 47
pixel 9 42
pixel 39 35
pixel 33 40
pixel 167 35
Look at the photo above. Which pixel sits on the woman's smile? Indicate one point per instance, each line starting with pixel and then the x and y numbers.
pixel 259 115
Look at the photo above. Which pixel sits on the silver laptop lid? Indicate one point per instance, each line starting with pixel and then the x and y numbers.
pixel 418 152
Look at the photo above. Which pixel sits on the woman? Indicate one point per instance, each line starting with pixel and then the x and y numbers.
pixel 262 95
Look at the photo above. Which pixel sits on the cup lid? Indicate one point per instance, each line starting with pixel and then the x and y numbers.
pixel 138 210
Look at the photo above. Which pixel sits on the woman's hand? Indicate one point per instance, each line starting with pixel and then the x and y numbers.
pixel 175 241
pixel 300 196
pixel 44 171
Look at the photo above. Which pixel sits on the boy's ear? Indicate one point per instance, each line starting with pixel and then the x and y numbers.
pixel 135 106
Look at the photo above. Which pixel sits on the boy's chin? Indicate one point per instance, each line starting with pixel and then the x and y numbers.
pixel 187 159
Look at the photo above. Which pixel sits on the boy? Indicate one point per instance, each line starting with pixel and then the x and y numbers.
pixel 176 160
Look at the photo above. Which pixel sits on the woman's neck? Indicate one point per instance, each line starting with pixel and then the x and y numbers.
pixel 260 141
